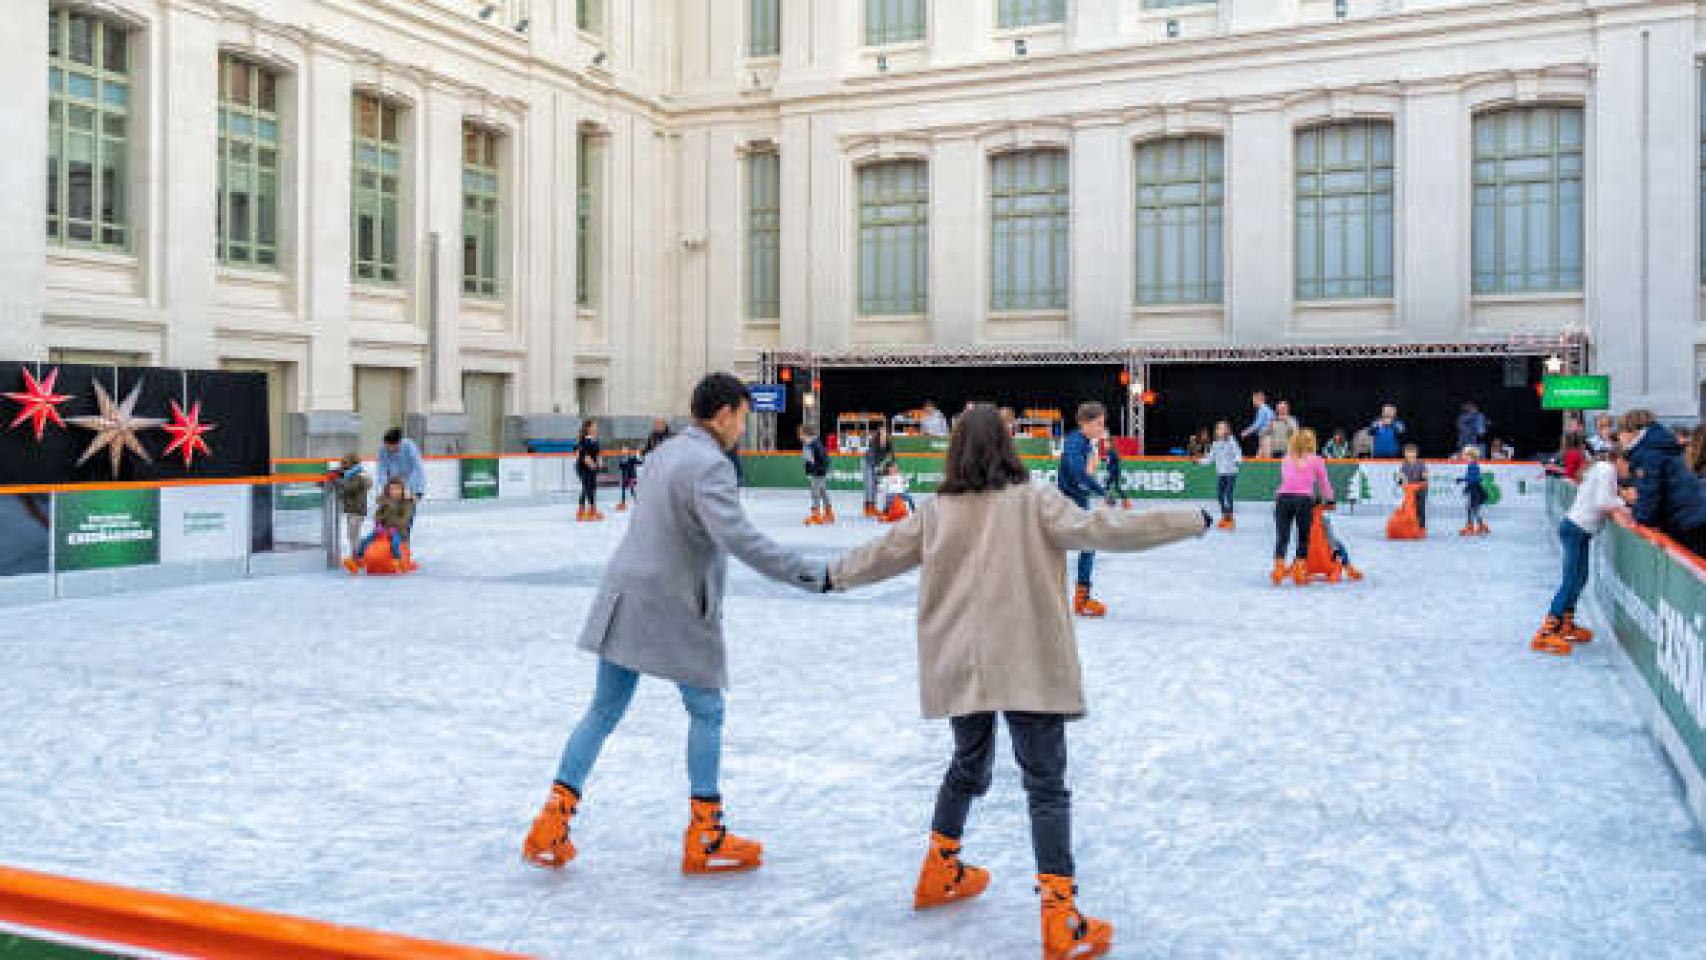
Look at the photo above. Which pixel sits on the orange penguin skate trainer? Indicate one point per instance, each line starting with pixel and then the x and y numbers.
pixel 547 844
pixel 709 847
pixel 944 878
pixel 1068 934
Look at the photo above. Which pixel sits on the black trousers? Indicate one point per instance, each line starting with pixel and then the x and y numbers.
pixel 1225 486
pixel 1039 744
pixel 589 486
pixel 1293 510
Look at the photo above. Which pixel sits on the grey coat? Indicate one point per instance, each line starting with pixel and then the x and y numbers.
pixel 659 609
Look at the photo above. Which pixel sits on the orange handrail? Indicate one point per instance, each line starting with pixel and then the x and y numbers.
pixel 162 922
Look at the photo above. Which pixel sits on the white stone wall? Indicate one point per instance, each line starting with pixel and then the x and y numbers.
pixel 676 106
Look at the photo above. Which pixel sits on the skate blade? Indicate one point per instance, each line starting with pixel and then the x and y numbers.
pixel 714 866
pixel 1082 951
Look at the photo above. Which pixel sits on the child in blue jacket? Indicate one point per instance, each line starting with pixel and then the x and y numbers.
pixel 1077 479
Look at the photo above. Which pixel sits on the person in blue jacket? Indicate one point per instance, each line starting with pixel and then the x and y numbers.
pixel 400 459
pixel 1668 496
pixel 1077 480
pixel 1387 432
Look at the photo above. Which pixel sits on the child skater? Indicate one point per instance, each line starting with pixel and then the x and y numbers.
pixel 1414 471
pixel 816 460
pixel 1117 496
pixel 1002 642
pixel 895 491
pixel 1341 556
pixel 1474 494
pixel 1604 490
pixel 391 518
pixel 1226 455
pixel 352 484
pixel 589 460
pixel 1302 472
pixel 1077 479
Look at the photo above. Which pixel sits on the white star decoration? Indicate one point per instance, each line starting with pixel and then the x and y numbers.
pixel 115 428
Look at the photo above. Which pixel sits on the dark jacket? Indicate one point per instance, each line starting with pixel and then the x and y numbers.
pixel 878 456
pixel 816 457
pixel 394 514
pixel 1668 496
pixel 587 451
pixel 352 486
pixel 653 439
pixel 1074 477
pixel 1471 427
pixel 1388 439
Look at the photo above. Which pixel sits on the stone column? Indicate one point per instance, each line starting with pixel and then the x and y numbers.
pixel 1258 226
pixel 798 263
pixel 23 188
pixel 832 295
pixel 547 309
pixel 957 274
pixel 1101 235
pixel 188 84
pixel 441 423
pixel 329 426
pixel 1433 197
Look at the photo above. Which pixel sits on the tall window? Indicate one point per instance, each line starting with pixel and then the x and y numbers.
pixel 1164 4
pixel 1528 200
pixel 893 21
pixel 587 246
pixel 1030 231
pixel 763 28
pixel 479 211
pixel 1026 13
pixel 1344 211
pixel 247 191
pixel 764 236
pixel 1180 195
pixel 894 238
pixel 375 210
pixel 589 15
pixel 88 146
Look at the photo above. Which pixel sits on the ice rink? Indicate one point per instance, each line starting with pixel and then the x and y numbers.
pixel 1370 770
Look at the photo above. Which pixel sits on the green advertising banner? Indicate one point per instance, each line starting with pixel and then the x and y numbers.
pixel 16 946
pixel 1143 479
pixel 479 478
pixel 97 529
pixel 299 496
pixel 1588 392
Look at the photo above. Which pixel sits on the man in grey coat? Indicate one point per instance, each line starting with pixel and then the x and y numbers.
pixel 658 612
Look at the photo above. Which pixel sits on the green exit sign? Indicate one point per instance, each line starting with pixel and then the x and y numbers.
pixel 1592 392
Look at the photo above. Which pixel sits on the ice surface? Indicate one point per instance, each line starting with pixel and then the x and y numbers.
pixel 1373 770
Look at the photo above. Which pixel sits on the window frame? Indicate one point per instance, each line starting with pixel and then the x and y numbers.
pixel 1047 226
pixel 381 273
pixel 1320 286
pixel 764 235
pixel 1210 182
pixel 1562 279
pixel 482 211
pixel 763 29
pixel 1028 14
pixel 887 29
pixel 262 203
pixel 109 106
pixel 873 196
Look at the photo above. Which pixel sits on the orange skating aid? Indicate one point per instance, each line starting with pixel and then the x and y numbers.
pixel 896 511
pixel 378 561
pixel 708 846
pixel 1068 934
pixel 1404 523
pixel 945 878
pixel 547 844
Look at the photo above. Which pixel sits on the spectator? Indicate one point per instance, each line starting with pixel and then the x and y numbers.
pixel 1388 432
pixel 1010 420
pixel 400 459
pixel 1604 438
pixel 1471 427
pixel 1283 427
pixel 1697 453
pixel 935 422
pixel 1668 495
pixel 1198 446
pixel 1258 427
pixel 1362 444
pixel 1574 459
pixel 1338 448
pixel 1500 450
pixel 660 433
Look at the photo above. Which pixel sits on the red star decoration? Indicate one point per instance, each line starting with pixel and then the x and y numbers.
pixel 187 432
pixel 40 404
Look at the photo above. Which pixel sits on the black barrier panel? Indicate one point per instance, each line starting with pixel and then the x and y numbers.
pixel 234 403
pixel 25 521
pixel 1346 395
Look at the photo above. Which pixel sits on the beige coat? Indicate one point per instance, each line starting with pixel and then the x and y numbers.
pixel 994 626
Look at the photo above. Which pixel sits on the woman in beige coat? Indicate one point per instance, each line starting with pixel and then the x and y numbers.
pixel 995 635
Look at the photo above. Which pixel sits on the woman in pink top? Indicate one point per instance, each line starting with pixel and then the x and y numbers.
pixel 1301 472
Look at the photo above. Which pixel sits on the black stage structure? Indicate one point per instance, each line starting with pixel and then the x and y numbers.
pixel 1330 386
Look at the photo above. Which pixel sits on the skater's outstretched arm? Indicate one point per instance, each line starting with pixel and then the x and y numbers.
pixel 717 499
pixel 890 555
pixel 1069 528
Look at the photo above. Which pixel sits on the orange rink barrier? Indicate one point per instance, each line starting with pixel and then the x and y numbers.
pixel 121 917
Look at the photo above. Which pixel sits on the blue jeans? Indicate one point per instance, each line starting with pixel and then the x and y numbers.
pixel 610 699
pixel 1087 559
pixel 1576 542
pixel 1225 486
pixel 367 541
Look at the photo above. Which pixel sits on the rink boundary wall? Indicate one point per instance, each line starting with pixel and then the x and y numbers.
pixel 1640 576
pixel 60 916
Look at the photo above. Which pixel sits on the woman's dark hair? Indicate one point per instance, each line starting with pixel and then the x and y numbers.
pixel 585 426
pixel 981 455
